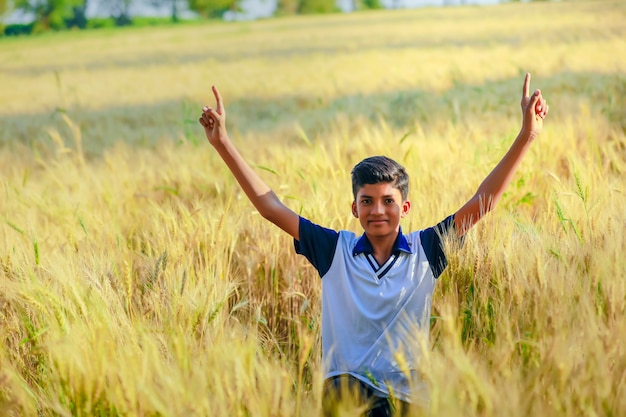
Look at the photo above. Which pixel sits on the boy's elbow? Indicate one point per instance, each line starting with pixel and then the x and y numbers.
pixel 264 211
pixel 268 215
pixel 271 209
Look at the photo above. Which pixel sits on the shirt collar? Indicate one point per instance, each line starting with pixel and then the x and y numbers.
pixel 363 245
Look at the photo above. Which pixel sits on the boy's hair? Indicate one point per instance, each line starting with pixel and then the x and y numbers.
pixel 377 169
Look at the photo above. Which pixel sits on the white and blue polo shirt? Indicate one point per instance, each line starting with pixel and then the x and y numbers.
pixel 368 310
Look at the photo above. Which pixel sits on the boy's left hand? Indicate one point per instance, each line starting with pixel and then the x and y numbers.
pixel 534 110
pixel 214 120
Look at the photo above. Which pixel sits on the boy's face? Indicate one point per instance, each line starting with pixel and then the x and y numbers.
pixel 379 208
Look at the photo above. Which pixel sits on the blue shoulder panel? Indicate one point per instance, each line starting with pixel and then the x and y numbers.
pixel 432 242
pixel 317 244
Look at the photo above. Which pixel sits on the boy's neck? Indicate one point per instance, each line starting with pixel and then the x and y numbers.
pixel 382 246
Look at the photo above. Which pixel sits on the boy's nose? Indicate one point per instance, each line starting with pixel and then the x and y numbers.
pixel 378 208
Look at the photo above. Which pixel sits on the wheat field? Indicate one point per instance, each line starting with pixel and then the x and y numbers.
pixel 137 280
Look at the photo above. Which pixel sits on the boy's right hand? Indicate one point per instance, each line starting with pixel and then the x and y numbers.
pixel 214 120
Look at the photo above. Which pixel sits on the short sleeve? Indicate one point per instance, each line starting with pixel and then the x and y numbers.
pixel 317 244
pixel 433 244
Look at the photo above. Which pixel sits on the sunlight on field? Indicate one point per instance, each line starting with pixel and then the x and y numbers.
pixel 136 279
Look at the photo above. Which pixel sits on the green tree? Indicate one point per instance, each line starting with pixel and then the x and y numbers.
pixel 4 7
pixel 287 7
pixel 290 7
pixel 120 12
pixel 79 16
pixel 316 6
pixel 173 4
pixel 212 8
pixel 49 14
pixel 373 4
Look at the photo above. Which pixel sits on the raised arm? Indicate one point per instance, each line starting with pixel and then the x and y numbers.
pixel 534 110
pixel 261 196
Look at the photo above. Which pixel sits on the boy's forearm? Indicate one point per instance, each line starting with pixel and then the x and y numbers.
pixel 255 188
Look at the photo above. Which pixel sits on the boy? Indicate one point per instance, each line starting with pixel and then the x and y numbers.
pixel 377 286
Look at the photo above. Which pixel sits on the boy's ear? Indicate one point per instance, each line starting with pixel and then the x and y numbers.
pixel 355 213
pixel 406 207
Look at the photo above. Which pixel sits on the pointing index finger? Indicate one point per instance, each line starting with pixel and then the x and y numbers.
pixel 526 89
pixel 218 99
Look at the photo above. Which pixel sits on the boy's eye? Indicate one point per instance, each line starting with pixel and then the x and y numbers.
pixel 389 201
pixel 366 201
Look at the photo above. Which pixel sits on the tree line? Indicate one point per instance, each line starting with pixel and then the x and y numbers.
pixel 64 14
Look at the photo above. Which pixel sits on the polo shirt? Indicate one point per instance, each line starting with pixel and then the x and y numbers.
pixel 370 312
